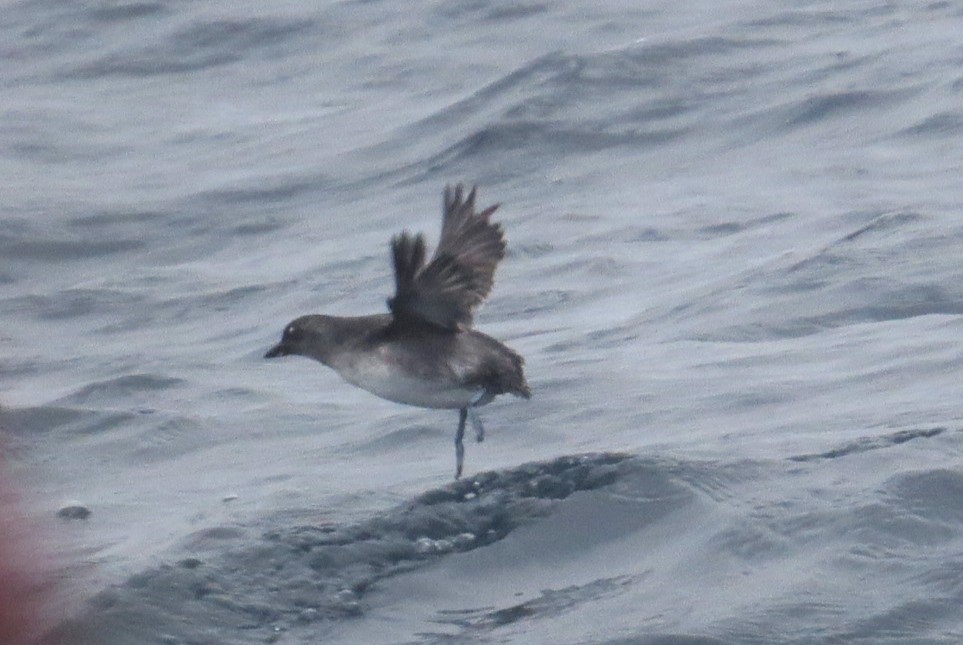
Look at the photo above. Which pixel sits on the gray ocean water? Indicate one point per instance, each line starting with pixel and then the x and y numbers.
pixel 735 270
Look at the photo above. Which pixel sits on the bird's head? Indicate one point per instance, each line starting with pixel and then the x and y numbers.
pixel 295 338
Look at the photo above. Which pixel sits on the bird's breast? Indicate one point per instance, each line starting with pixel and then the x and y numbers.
pixel 384 374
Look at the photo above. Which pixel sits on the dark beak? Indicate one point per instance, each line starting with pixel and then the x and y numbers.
pixel 277 350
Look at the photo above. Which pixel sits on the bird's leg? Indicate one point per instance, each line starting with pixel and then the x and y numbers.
pixel 459 443
pixel 476 424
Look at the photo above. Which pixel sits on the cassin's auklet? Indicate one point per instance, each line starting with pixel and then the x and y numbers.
pixel 424 352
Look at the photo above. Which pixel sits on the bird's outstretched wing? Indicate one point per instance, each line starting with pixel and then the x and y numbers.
pixel 459 275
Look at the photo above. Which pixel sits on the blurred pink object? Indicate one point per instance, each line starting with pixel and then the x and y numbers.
pixel 22 589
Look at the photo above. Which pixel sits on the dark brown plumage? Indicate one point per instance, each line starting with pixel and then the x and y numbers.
pixel 461 272
pixel 425 352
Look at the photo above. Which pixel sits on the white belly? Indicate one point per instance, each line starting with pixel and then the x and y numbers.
pixel 387 381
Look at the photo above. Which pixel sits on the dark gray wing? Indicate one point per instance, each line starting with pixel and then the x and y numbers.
pixel 461 272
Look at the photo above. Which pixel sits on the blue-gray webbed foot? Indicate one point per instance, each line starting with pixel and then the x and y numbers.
pixel 459 442
pixel 476 424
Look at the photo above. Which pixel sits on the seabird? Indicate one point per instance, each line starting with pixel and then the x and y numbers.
pixel 425 352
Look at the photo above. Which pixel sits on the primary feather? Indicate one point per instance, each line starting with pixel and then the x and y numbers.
pixel 461 272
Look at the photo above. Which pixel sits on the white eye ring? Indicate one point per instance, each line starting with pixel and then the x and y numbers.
pixel 289 330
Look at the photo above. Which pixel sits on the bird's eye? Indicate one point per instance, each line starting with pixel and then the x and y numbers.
pixel 290 331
